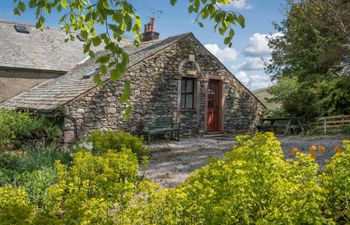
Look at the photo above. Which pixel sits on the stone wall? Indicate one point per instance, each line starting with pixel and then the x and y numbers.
pixel 154 83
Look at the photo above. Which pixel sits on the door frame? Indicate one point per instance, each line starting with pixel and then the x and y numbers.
pixel 221 102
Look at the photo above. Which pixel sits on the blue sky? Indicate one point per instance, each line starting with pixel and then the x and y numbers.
pixel 244 58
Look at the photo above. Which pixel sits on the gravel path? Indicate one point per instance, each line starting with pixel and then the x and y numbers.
pixel 171 162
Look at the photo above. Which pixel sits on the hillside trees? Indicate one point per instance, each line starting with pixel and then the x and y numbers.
pixel 310 61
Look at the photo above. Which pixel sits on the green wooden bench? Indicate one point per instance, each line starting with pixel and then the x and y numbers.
pixel 286 124
pixel 160 125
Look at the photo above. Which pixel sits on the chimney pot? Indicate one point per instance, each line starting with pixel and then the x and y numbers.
pixel 153 24
pixel 150 33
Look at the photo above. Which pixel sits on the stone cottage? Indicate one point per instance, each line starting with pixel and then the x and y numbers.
pixel 174 77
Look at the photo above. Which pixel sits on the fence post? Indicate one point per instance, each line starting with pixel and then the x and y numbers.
pixel 324 125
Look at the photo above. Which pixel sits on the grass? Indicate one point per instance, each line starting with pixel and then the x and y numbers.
pixel 263 95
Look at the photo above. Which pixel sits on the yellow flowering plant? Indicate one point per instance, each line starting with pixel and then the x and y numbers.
pixel 252 184
pixel 336 182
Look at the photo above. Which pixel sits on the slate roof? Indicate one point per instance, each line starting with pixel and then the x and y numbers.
pixel 56 92
pixel 39 50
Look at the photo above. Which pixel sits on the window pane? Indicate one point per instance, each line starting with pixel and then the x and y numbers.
pixel 189 88
pixel 183 85
pixel 189 101
pixel 183 101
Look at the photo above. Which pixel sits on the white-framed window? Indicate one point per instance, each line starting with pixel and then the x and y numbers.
pixel 187 93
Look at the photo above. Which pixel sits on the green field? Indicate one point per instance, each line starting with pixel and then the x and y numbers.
pixel 263 95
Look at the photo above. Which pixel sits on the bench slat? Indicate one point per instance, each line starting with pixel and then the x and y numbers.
pixel 160 125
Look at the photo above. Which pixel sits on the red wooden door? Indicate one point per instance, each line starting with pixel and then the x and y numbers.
pixel 213 105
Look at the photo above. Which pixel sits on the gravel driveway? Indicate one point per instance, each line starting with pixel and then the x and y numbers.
pixel 171 162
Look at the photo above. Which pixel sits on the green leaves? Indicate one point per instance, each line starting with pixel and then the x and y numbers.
pixel 309 51
pixel 96 41
pixel 21 6
pixel 126 113
pixel 103 69
pixel 126 94
pixel 40 22
pixel 253 184
pixel 116 74
pixel 241 21
pixel 64 3
pixel 224 20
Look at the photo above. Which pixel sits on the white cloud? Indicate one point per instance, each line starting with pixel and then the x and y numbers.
pixel 258 81
pixel 238 4
pixel 258 45
pixel 252 63
pixel 253 81
pixel 242 77
pixel 224 55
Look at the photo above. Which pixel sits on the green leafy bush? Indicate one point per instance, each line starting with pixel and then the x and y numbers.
pixel 345 129
pixel 14 208
pixel 94 189
pixel 253 185
pixel 103 141
pixel 17 128
pixel 33 159
pixel 336 182
pixel 32 170
pixel 36 183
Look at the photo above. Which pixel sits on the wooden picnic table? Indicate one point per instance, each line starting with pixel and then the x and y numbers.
pixel 285 123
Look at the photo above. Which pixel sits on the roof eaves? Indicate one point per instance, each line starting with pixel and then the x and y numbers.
pixel 21 68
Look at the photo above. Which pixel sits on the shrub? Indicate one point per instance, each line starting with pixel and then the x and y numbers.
pixel 32 170
pixel 94 189
pixel 33 159
pixel 14 208
pixel 36 183
pixel 345 129
pixel 253 185
pixel 17 128
pixel 336 181
pixel 103 141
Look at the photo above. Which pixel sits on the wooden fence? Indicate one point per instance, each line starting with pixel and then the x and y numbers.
pixel 331 123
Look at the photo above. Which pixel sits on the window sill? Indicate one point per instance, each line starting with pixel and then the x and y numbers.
pixel 188 110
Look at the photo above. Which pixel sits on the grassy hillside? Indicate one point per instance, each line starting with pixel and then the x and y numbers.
pixel 262 95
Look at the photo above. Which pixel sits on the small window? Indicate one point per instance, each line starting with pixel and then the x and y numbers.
pixel 21 29
pixel 91 73
pixel 187 93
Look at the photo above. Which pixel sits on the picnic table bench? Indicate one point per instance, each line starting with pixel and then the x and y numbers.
pixel 160 125
pixel 285 123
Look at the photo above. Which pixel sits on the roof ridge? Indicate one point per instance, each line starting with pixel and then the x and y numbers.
pixel 162 39
pixel 29 24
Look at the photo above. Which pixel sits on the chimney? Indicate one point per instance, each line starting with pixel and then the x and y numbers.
pixel 149 31
pixel 152 24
